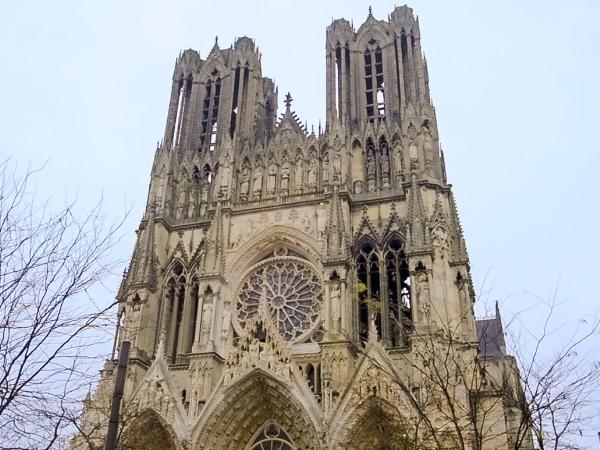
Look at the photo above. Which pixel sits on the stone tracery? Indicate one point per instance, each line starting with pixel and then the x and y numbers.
pixel 289 289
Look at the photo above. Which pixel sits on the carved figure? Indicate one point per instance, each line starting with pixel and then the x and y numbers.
pixel 272 178
pixel 334 296
pixel 312 174
pixel 206 322
pixel 285 179
pixel 257 182
pixel 337 168
pixel 244 183
pixel 325 170
pixel 298 176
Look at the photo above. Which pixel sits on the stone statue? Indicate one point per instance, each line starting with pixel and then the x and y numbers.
pixel 312 174
pixel 272 178
pixel 427 144
pixel 440 242
pixel 298 178
pixel 225 175
pixel 226 320
pixel 285 179
pixel 334 296
pixel 244 183
pixel 325 170
pixel 371 171
pixel 337 168
pixel 206 322
pixel 257 182
pixel 399 163
pixel 385 168
pixel 181 200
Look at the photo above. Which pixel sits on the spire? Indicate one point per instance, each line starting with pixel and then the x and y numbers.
pixel 142 272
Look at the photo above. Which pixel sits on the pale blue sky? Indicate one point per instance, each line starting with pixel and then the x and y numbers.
pixel 85 85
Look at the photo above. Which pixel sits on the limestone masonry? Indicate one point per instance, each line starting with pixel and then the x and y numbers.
pixel 293 290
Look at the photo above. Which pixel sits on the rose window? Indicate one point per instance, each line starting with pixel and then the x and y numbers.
pixel 290 292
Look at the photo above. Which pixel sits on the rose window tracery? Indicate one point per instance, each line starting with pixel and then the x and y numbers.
pixel 289 292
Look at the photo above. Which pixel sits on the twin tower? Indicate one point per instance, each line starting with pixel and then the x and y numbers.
pixel 284 283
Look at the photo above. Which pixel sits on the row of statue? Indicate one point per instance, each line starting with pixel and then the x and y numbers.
pixel 382 167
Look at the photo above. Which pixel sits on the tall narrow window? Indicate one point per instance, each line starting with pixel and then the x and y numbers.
pixel 178 316
pixel 180 97
pixel 369 86
pixel 234 102
pixel 338 80
pixel 379 83
pixel 369 298
pixel 405 68
pixel 195 299
pixel 210 112
pixel 374 83
pixel 399 302
pixel 245 85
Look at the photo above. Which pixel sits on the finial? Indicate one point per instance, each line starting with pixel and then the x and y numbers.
pixel 216 40
pixel 288 100
pixel 370 11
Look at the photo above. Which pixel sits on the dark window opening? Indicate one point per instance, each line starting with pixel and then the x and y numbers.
pixel 234 102
pixel 369 298
pixel 399 301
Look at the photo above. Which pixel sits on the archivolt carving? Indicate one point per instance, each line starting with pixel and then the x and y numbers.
pixel 236 414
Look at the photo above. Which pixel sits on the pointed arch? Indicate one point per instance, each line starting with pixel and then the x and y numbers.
pixel 149 431
pixel 376 424
pixel 235 415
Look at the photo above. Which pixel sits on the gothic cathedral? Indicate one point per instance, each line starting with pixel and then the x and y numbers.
pixel 293 290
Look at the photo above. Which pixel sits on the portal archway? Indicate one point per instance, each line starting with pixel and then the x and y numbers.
pixel 148 432
pixel 240 414
pixel 376 425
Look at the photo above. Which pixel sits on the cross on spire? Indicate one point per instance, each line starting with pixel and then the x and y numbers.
pixel 288 100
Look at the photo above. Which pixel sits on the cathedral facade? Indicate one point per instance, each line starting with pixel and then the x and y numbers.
pixel 293 290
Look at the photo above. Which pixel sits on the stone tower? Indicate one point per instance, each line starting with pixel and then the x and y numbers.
pixel 302 290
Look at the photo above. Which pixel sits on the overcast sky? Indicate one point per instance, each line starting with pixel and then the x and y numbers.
pixel 516 84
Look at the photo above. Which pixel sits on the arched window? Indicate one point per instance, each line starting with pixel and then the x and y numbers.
pixel 398 283
pixel 234 101
pixel 210 111
pixel 369 289
pixel 184 91
pixel 406 69
pixel 374 82
pixel 272 437
pixel 173 314
pixel 195 299
pixel 338 79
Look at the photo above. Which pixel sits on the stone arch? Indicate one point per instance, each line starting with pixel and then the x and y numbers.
pixel 266 241
pixel 235 414
pixel 149 431
pixel 374 423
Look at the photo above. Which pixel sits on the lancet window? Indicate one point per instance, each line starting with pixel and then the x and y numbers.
pixel 369 289
pixel 398 293
pixel 184 91
pixel 210 111
pixel 384 292
pixel 173 314
pixel 374 83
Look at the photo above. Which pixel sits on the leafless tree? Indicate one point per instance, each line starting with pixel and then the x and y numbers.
pixel 50 259
pixel 560 375
pixel 550 394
